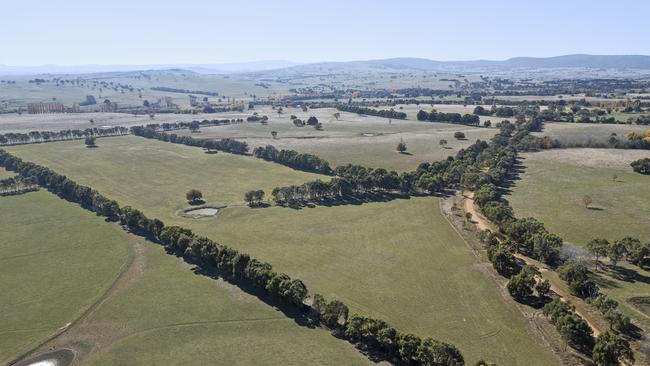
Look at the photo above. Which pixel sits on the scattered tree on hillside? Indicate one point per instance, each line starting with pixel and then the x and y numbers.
pixel 274 134
pixel 193 195
pixel 337 115
pixel 443 143
pixel 459 135
pixel 91 141
pixel 586 201
pixel 401 146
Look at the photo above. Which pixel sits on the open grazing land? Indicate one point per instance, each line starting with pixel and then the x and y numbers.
pixel 585 134
pixel 553 184
pixel 352 138
pixel 409 276
pixel 120 299
pixel 305 209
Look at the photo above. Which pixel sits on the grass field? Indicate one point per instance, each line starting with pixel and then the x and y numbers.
pixel 158 312
pixel 554 182
pixel 57 260
pixel 422 277
pixel 551 189
pixel 365 140
pixel 582 133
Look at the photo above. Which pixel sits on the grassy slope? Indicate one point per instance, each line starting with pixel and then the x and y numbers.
pixel 399 260
pixel 554 182
pixel 551 189
pixel 57 259
pixel 582 133
pixel 172 316
pixel 65 258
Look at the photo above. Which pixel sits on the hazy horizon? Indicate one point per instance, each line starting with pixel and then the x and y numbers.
pixel 199 32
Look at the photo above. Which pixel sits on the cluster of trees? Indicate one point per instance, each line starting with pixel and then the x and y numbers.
pixel 505 112
pixel 628 248
pixel 641 166
pixel 569 324
pixel 227 145
pixel 294 159
pixel 386 113
pixel 434 116
pixel 608 308
pixel 257 118
pixel 522 285
pixel 240 268
pixel 576 275
pixel 47 136
pixel 254 198
pixel 609 348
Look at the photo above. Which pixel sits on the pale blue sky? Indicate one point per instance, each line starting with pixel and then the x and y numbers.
pixel 74 32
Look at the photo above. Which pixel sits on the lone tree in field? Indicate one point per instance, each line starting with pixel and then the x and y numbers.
pixel 193 195
pixel 194 126
pixel 91 141
pixel 443 143
pixel 337 115
pixel 274 134
pixel 586 201
pixel 312 121
pixel 401 147
pixel 459 135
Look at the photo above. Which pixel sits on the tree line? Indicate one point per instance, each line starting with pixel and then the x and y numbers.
pixel 241 269
pixel 293 159
pixel 529 237
pixel 13 138
pixel 184 91
pixel 17 185
pixel 434 116
pixel 227 145
pixel 386 113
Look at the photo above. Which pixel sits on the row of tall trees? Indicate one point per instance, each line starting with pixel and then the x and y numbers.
pixel 294 159
pixel 530 237
pixel 227 145
pixel 434 116
pixel 386 113
pixel 48 136
pixel 240 268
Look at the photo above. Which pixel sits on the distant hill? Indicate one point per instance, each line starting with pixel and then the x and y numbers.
pixel 404 64
pixel 224 68
pixel 421 64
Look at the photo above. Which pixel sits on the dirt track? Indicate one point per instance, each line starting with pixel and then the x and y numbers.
pixel 580 307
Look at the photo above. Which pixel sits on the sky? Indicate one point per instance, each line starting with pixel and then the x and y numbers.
pixel 140 32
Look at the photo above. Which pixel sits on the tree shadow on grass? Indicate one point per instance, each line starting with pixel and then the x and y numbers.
pixel 351 200
pixel 300 315
pixel 512 177
pixel 595 208
pixel 626 274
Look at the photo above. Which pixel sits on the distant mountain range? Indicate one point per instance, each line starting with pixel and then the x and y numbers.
pixel 386 65
pixel 421 64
